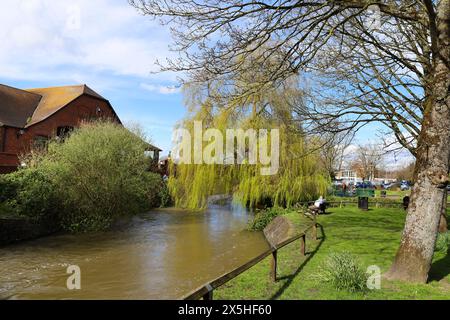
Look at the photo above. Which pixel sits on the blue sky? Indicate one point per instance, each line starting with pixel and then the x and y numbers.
pixel 107 45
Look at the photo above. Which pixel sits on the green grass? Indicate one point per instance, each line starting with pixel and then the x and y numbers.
pixel 373 237
pixel 393 193
pixel 398 194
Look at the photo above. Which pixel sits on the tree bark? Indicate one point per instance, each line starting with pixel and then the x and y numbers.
pixel 414 257
pixel 443 228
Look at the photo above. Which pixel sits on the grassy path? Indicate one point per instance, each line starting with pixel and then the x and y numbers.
pixel 372 236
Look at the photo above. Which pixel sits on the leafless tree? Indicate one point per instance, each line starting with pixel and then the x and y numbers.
pixel 368 161
pixel 332 151
pixel 393 70
pixel 406 172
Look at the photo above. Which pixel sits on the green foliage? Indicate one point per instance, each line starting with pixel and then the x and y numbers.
pixel 8 187
pixel 263 218
pixel 164 196
pixel 30 193
pixel 7 210
pixel 299 178
pixel 98 174
pixel 343 272
pixel 195 183
pixel 442 242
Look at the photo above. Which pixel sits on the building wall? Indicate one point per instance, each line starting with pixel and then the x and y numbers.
pixel 19 141
pixel 348 176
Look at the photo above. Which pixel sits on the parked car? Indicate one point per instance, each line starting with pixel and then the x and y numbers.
pixel 393 185
pixel 364 185
pixel 337 183
pixel 404 187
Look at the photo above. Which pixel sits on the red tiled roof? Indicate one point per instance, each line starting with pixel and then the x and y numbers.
pixel 16 106
pixel 24 108
pixel 56 98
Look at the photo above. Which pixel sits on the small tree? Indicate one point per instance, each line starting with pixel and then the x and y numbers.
pixel 100 172
pixel 332 151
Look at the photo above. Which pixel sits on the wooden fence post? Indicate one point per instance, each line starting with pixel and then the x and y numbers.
pixel 208 296
pixel 314 228
pixel 273 266
pixel 303 245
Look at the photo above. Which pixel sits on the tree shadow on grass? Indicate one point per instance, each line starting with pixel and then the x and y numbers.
pixel 440 269
pixel 292 276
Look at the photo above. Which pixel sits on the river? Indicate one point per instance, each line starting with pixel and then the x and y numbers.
pixel 162 254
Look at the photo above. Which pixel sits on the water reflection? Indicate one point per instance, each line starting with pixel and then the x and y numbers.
pixel 157 255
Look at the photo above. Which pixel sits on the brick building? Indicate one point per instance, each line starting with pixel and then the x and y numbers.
pixel 28 118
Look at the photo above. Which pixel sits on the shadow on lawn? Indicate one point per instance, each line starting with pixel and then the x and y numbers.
pixel 440 269
pixel 291 277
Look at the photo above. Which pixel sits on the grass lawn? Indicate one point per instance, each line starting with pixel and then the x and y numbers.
pixel 373 237
pixel 393 193
pixel 398 194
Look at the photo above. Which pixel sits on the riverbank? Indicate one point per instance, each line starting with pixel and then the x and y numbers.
pixel 17 229
pixel 372 236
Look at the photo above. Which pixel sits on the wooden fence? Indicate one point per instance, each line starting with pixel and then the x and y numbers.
pixel 206 291
pixel 373 203
pixel 376 204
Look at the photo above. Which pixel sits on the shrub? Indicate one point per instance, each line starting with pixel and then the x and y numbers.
pixel 8 187
pixel 100 173
pixel 343 272
pixel 442 242
pixel 30 193
pixel 7 210
pixel 263 218
pixel 164 196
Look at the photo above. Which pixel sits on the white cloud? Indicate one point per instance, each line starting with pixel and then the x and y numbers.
pixel 160 88
pixel 48 39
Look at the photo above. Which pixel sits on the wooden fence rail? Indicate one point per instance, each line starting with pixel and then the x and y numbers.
pixel 377 204
pixel 206 291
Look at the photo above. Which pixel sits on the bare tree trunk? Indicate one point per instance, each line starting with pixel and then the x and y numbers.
pixel 413 259
pixel 443 222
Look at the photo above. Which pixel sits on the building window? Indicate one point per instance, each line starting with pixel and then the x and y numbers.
pixel 63 132
pixel 40 142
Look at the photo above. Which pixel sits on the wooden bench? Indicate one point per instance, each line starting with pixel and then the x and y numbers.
pixel 313 210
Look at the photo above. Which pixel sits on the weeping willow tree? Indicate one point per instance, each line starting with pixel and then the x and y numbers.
pixel 299 176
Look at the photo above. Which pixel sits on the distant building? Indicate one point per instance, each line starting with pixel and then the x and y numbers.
pixel 29 118
pixel 347 176
pixel 351 176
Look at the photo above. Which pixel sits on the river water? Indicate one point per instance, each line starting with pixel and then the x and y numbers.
pixel 161 254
